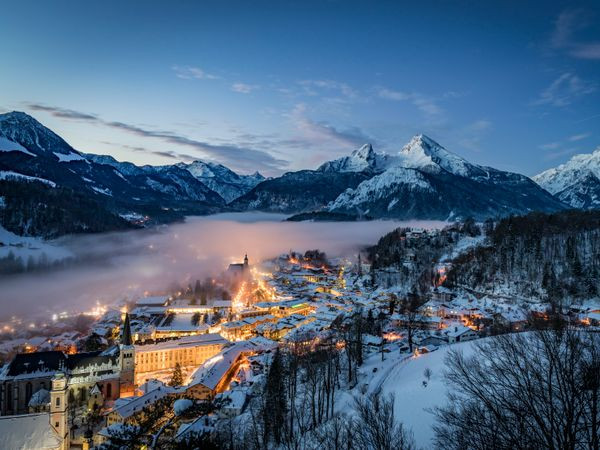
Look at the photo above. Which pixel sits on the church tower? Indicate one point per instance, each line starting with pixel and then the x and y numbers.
pixel 246 262
pixel 126 361
pixel 59 409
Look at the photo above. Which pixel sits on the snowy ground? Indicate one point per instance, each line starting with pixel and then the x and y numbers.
pixel 25 247
pixel 402 376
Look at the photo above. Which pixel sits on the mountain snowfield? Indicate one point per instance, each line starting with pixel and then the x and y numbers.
pixel 576 182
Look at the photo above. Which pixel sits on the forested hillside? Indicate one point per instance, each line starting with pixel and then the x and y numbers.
pixel 554 257
pixel 36 209
pixel 408 257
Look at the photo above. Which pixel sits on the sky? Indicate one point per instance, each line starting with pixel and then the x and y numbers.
pixel 275 86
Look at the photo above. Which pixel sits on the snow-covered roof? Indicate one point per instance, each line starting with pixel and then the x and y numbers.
pixel 158 300
pixel 215 368
pixel 126 408
pixel 40 398
pixel 28 431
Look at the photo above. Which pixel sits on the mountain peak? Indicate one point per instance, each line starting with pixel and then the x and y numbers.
pixel 364 152
pixel 361 159
pixel 424 153
pixel 24 129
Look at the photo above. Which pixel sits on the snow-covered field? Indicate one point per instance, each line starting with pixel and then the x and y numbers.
pixel 403 376
pixel 25 247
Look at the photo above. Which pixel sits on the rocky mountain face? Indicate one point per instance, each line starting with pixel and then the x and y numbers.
pixel 305 190
pixel 224 181
pixel 576 183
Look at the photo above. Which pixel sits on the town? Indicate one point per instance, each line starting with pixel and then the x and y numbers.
pixel 186 364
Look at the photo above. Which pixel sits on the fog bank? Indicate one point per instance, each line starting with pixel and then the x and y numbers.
pixel 124 265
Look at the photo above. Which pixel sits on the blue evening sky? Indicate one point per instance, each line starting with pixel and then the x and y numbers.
pixel 281 85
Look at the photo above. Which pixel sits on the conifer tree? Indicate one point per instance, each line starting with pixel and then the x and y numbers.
pixel 177 377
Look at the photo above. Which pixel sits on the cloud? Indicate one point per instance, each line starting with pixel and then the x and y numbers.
pixel 425 104
pixel 550 146
pixel 244 88
pixel 191 73
pixel 579 137
pixel 567 24
pixel 62 112
pixel 311 87
pixel 239 158
pixel 564 90
pixel 554 155
pixel 322 133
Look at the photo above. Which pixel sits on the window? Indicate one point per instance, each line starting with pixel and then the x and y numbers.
pixel 57 403
pixel 108 390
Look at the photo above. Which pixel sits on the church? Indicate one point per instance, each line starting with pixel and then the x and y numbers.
pixel 239 271
pixel 67 383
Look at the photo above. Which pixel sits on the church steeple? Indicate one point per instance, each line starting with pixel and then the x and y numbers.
pixel 246 260
pixel 126 334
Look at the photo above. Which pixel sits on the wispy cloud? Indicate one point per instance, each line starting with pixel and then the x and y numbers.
pixel 564 90
pixel 190 73
pixel 563 147
pixel 322 133
pixel 63 112
pixel 425 104
pixel 244 88
pixel 568 23
pixel 579 137
pixel 315 87
pixel 240 158
pixel 550 146
pixel 557 154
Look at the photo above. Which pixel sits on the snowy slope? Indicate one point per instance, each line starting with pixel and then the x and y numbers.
pixel 8 175
pixel 379 187
pixel 404 379
pixel 29 247
pixel 425 154
pixel 6 145
pixel 576 182
pixel 362 159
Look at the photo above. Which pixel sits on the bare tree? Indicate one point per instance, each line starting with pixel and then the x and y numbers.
pixel 538 390
pixel 377 427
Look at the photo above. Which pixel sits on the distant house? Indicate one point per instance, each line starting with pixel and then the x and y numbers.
pixel 459 333
pixel 233 403
pixel 126 408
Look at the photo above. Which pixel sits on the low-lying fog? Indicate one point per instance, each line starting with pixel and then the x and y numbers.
pixel 114 266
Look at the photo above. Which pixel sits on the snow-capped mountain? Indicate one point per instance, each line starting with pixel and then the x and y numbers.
pixel 363 159
pixel 424 154
pixel 221 179
pixel 426 181
pixel 576 182
pixel 32 151
pixel 24 130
